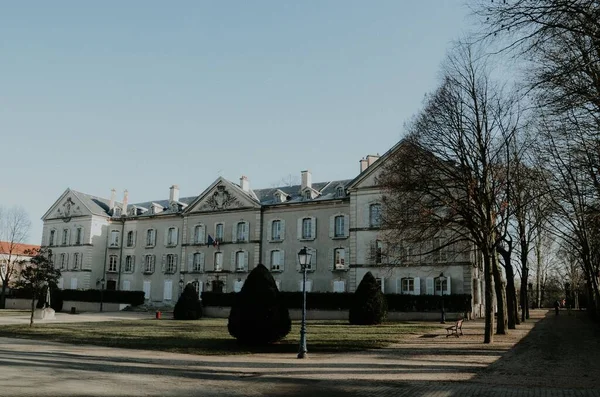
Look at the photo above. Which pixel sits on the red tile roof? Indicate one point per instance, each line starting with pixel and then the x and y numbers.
pixel 18 249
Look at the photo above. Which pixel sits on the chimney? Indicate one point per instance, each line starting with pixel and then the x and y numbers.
pixel 363 164
pixel 371 159
pixel 244 184
pixel 111 204
pixel 173 193
pixel 125 200
pixel 306 179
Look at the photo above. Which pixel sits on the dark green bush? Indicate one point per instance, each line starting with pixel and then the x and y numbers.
pixel 368 304
pixel 258 316
pixel 188 306
pixel 133 298
pixel 56 299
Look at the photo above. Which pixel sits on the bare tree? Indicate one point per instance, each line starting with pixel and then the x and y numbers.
pixel 450 175
pixel 14 230
pixel 288 180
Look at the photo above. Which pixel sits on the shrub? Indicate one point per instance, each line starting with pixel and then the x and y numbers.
pixel 56 299
pixel 188 306
pixel 133 298
pixel 257 316
pixel 368 304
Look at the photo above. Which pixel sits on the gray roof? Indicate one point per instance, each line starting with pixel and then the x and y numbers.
pixel 326 190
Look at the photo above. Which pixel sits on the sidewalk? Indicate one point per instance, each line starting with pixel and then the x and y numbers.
pixel 74 318
pixel 548 356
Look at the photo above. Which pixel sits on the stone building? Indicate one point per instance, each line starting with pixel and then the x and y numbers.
pixel 214 239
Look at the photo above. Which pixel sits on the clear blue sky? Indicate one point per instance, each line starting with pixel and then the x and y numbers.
pixel 140 95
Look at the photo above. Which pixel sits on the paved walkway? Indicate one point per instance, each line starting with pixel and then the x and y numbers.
pixel 549 356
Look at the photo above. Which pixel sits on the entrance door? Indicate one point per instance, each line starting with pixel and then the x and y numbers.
pixel 111 285
pixel 218 286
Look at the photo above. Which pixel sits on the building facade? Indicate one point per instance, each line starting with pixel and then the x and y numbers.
pixel 215 239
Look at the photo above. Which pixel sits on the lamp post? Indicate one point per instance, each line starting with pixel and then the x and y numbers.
pixel 102 281
pixel 180 286
pixel 442 288
pixel 304 258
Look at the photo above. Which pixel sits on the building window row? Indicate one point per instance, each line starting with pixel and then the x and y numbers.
pixel 65 237
pixel 74 262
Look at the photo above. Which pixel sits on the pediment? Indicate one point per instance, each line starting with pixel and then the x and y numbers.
pixel 222 195
pixel 66 207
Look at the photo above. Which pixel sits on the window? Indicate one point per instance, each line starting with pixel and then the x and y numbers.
pixel 381 283
pixel 79 236
pixel 237 285
pixel 375 215
pixel 114 238
pixel 112 263
pixel 51 240
pixel 241 231
pixel 130 238
pixel 146 289
pixel 339 255
pixel 197 262
pixel 440 252
pixel 276 230
pixel 240 260
pixel 151 238
pixel 63 261
pixel 307 228
pixel 340 226
pixel 198 234
pixel 218 261
pixel 149 264
pixel 170 265
pixel 117 212
pixel 408 285
pixel 339 192
pixel 441 286
pixel 219 232
pixel 171 237
pixel 168 290
pixel 65 237
pixel 276 262
pixel 308 195
pixel 76 259
pixel 378 251
pixel 339 286
pixel 73 283
pixel 308 285
pixel 126 285
pixel 129 259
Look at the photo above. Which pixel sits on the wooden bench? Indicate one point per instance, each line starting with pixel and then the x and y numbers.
pixel 453 329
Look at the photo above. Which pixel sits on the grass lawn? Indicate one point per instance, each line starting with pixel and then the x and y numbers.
pixel 210 335
pixel 14 312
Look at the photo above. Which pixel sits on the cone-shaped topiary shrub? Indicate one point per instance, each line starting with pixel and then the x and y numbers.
pixel 188 306
pixel 368 304
pixel 257 316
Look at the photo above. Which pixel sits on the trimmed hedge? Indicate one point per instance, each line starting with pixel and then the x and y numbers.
pixel 133 298
pixel 341 301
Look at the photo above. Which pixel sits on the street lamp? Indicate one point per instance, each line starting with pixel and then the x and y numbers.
pixel 304 258
pixel 102 281
pixel 442 288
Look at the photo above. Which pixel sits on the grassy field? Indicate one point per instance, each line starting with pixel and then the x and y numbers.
pixel 13 312
pixel 210 335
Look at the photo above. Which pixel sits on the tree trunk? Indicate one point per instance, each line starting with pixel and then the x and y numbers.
pixel 3 295
pixel 32 310
pixel 511 292
pixel 524 286
pixel 489 299
pixel 502 321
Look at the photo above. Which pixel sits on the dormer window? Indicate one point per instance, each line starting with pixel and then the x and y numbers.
pixel 133 211
pixel 117 212
pixel 339 192
pixel 308 195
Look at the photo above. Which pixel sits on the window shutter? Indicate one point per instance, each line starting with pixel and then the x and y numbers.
pixel 191 261
pixel 68 237
pixel 166 236
pixel 134 237
pixel 233 264
pixel 247 231
pixel 313 232
pixel 299 229
pixel 346 226
pixel 308 285
pixel 298 267
pixel 234 233
pixel 383 284
pixel 373 250
pixel 313 262
pixel 175 263
pixel 417 281
pixel 429 286
pixel 126 285
pixel 246 260
pixel 143 263
pixel 168 290
pixel 448 290
pixel 132 263
pixel 282 260
pixel 73 283
pixel 398 285
pixel 332 227
pixel 270 231
pixel 176 236
pixel 331 259
pixel 147 289
pixel 202 261
pixel 282 230
pixel 67 261
pixel 164 262
pixel 202 238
